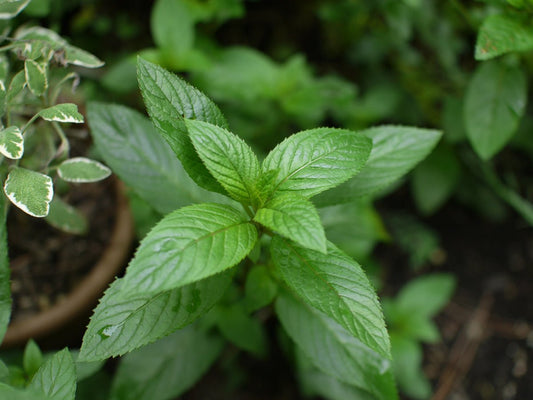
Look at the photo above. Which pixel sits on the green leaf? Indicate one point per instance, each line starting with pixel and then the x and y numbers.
pixel 32 358
pixel 81 170
pixel 36 77
pixel 395 151
pixel 122 323
pixel 333 350
pixel 17 84
pixel 65 217
pixel 500 34
pixel 494 104
pixel 76 56
pixel 8 392
pixel 295 218
pixel 407 356
pixel 172 27
pixel 65 112
pixel 315 160
pixel 169 100
pixel 57 377
pixel 10 8
pixel 5 286
pixel 229 159
pixel 132 147
pixel 190 244
pixel 12 143
pixel 167 368
pixel 336 285
pixel 426 295
pixel 259 289
pixel 30 191
pixel 435 179
pixel 84 369
pixel 242 330
pixel 3 91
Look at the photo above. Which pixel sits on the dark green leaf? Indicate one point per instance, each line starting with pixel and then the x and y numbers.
pixel 5 287
pixel 259 288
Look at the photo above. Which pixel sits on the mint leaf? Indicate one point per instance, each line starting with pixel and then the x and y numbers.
pixel 315 160
pixel 66 112
pixel 8 392
pixel 336 285
pixel 500 34
pixel 82 170
pixel 172 28
pixel 12 142
pixel 169 100
pixel 187 245
pixel 30 191
pixel 259 289
pixel 32 358
pixel 395 151
pixel 333 350
pixel 132 147
pixel 167 368
pixel 229 159
pixel 56 377
pixel 121 323
pixel 495 101
pixel 295 218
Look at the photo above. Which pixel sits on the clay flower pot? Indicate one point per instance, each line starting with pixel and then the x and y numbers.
pixel 85 295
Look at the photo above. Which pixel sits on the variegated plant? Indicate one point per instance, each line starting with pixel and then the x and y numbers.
pixel 34 148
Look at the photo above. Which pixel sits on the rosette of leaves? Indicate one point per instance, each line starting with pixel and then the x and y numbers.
pixel 34 149
pixel 208 259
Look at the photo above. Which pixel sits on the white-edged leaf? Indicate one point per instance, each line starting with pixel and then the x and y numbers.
pixel 169 100
pixel 11 8
pixel 121 323
pixel 500 34
pixel 36 77
pixel 336 285
pixel 229 159
pixel 315 160
pixel 56 378
pixel 30 191
pixel 65 217
pixel 12 142
pixel 81 169
pixel 66 112
pixel 295 218
pixel 82 58
pixel 395 151
pixel 167 368
pixel 495 101
pixel 188 245
pixel 333 350
pixel 131 146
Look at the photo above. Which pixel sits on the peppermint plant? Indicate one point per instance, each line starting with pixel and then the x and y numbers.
pixel 240 237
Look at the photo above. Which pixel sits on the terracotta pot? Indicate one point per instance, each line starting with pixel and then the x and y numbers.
pixel 85 295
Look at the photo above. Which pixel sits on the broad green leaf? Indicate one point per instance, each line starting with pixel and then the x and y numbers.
pixel 315 160
pixel 500 34
pixel 85 369
pixel 426 295
pixel 121 323
pixel 30 191
pixel 65 217
pixel 10 8
pixel 395 151
pixel 241 329
pixel 8 392
pixel 167 368
pixel 494 104
pixel 132 147
pixel 12 142
pixel 434 180
pixel 32 358
pixel 169 100
pixel 57 377
pixel 172 28
pixel 407 356
pixel 65 112
pixel 81 169
pixel 36 77
pixel 188 245
pixel 5 286
pixel 229 159
pixel 335 351
pixel 336 285
pixel 295 218
pixel 259 288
